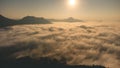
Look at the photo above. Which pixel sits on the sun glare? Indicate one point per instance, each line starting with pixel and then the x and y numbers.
pixel 72 2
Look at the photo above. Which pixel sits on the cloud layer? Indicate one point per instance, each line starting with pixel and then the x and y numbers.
pixel 79 44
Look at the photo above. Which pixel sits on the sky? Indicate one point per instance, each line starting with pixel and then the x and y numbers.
pixel 82 9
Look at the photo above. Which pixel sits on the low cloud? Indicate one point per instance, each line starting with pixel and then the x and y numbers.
pixel 83 44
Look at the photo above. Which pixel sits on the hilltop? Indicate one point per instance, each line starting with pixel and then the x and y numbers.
pixel 4 21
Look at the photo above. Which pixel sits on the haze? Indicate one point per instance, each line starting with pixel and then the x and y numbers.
pixel 82 9
pixel 59 34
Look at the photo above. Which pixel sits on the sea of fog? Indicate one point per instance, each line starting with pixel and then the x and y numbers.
pixel 80 43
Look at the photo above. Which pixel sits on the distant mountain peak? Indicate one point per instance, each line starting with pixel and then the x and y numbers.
pixel 29 17
pixel 71 19
pixel 32 17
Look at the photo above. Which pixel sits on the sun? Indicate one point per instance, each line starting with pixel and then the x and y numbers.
pixel 72 2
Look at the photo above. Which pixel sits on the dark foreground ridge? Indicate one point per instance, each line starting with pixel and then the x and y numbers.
pixel 27 62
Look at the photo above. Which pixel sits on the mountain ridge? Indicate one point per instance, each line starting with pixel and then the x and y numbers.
pixel 69 19
pixel 4 21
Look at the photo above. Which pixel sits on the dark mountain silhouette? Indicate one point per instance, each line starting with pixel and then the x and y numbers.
pixel 70 19
pixel 26 20
pixel 32 20
pixel 5 21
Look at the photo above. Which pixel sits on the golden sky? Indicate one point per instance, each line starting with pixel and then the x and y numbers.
pixel 82 9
